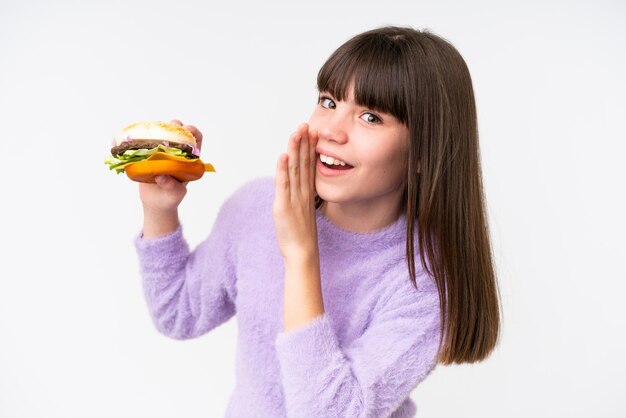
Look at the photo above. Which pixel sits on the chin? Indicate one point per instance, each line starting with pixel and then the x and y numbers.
pixel 329 193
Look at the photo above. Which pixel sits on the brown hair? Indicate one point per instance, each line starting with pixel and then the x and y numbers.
pixel 421 79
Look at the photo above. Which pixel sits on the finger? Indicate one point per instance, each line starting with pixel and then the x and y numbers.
pixel 176 122
pixel 282 179
pixel 196 134
pixel 167 182
pixel 313 138
pixel 294 163
pixel 305 159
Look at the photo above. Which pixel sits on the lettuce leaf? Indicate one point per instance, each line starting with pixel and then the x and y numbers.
pixel 120 161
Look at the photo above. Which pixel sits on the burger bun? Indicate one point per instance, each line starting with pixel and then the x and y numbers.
pixel 183 171
pixel 161 131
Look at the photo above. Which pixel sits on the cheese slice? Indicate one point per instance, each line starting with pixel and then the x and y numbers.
pixel 165 156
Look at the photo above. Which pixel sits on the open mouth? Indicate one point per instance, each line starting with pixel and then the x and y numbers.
pixel 334 163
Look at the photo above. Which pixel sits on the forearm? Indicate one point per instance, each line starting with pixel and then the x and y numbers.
pixel 369 375
pixel 158 223
pixel 303 291
pixel 186 293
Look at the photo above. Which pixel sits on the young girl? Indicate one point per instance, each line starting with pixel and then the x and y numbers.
pixel 335 317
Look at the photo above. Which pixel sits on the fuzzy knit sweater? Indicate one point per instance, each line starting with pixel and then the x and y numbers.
pixel 375 342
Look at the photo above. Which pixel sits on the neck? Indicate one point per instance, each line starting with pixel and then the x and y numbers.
pixel 360 218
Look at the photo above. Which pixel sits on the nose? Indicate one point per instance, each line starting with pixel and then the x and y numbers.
pixel 334 128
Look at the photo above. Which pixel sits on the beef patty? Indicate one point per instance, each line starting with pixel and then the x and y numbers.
pixel 126 145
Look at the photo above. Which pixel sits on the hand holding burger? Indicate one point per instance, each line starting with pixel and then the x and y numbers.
pixel 147 149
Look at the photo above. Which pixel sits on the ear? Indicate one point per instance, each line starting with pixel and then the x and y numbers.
pixel 418 168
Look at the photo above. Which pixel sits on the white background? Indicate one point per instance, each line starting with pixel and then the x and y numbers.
pixel 75 336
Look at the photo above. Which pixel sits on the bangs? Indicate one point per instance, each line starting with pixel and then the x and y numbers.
pixel 376 66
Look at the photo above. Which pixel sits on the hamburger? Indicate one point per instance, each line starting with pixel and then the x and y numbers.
pixel 147 149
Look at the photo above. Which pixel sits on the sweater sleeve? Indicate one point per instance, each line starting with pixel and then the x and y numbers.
pixel 189 293
pixel 371 376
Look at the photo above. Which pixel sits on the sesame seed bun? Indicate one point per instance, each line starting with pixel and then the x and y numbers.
pixel 150 131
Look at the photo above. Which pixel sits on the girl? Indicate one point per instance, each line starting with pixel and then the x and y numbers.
pixel 335 316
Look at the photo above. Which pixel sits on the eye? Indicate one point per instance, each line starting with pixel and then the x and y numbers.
pixel 327 102
pixel 371 118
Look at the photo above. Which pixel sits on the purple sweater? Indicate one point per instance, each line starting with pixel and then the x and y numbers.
pixel 362 358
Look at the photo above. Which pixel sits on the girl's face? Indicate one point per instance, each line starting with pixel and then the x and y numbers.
pixel 361 155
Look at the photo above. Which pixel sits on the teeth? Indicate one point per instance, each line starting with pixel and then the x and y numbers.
pixel 330 160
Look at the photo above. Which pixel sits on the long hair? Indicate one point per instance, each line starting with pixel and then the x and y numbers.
pixel 422 80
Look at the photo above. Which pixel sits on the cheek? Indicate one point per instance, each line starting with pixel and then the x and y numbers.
pixel 390 163
pixel 314 123
pixel 384 159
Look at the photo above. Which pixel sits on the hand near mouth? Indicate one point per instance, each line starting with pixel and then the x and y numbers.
pixel 294 203
pixel 296 228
